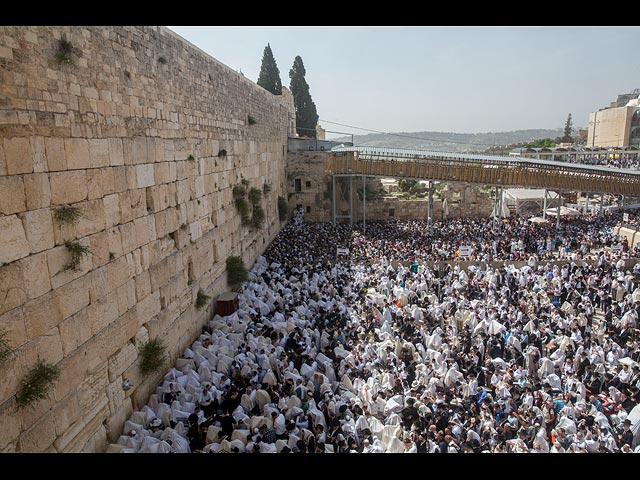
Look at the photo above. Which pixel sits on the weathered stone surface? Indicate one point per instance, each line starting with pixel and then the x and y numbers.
pixel 77 150
pixel 58 258
pixel 35 269
pixel 116 154
pixel 37 190
pixel 56 155
pixel 103 312
pixel 42 314
pixel 38 154
pixel 10 421
pixel 74 331
pixel 119 362
pixel 13 242
pixel 38 228
pixel 100 182
pixel 68 187
pixel 65 413
pixel 12 197
pixel 39 437
pixel 17 153
pixel 145 176
pixel 72 297
pixel 99 152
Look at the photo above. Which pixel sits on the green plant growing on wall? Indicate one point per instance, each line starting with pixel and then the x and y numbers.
pixel 65 51
pixel 238 191
pixel 258 216
pixel 251 120
pixel 162 60
pixel 244 182
pixel 37 383
pixel 191 158
pixel 202 299
pixel 283 208
pixel 255 195
pixel 152 356
pixel 243 208
pixel 266 188
pixel 5 346
pixel 67 214
pixel 236 271
pixel 78 252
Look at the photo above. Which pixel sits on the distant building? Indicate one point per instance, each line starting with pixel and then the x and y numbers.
pixel 288 97
pixel 320 133
pixel 618 125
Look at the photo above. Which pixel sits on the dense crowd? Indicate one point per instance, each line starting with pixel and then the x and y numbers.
pixel 394 349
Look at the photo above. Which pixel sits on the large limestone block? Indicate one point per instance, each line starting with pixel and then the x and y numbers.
pixel 78 156
pixel 111 210
pixel 118 273
pixel 133 204
pixel 42 314
pixel 97 442
pixel 13 322
pixel 74 331
pixel 162 173
pixel 72 297
pixel 17 153
pixel 116 153
pixel 68 187
pixel 121 361
pixel 99 152
pixel 100 182
pixel 47 347
pixel 35 270
pixel 99 245
pixel 38 154
pixel 118 417
pixel 66 412
pixel 10 421
pixel 135 150
pixel 75 438
pixel 56 155
pixel 37 190
pixel 92 220
pixel 12 195
pixel 13 241
pixel 40 436
pixel 145 175
pixel 103 312
pixel 126 297
pixel 143 285
pixel 58 257
pixel 13 290
pixel 91 389
pixel 38 227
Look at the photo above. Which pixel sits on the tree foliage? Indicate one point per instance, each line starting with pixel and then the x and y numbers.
pixel 541 143
pixel 306 113
pixel 568 130
pixel 269 78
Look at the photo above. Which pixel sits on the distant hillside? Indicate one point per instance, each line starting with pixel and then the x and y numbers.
pixel 449 141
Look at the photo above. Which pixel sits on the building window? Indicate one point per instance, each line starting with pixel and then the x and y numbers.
pixel 308 209
pixel 392 212
pixel 308 184
pixel 298 183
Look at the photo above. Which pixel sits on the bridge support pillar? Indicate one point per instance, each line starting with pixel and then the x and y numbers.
pixel 544 206
pixel 351 200
pixel 558 210
pixel 333 200
pixel 364 204
pixel 430 204
pixel 601 204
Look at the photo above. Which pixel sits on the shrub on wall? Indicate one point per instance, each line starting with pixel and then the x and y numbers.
pixel 255 195
pixel 67 214
pixel 283 208
pixel 78 252
pixel 258 216
pixel 202 299
pixel 251 120
pixel 5 346
pixel 243 208
pixel 236 271
pixel 37 383
pixel 65 51
pixel 266 188
pixel 152 356
pixel 238 191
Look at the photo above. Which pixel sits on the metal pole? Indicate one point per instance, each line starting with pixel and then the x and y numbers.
pixel 601 204
pixel 495 208
pixel 558 210
pixel 430 204
pixel 333 178
pixel 622 202
pixel 587 204
pixel 351 200
pixel 544 207
pixel 364 205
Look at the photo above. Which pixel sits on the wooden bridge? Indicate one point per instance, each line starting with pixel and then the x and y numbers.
pixel 483 169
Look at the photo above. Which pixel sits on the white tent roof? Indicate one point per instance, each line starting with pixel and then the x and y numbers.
pixel 529 193
pixel 564 212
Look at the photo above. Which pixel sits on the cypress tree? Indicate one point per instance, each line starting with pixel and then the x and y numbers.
pixel 306 113
pixel 568 130
pixel 269 78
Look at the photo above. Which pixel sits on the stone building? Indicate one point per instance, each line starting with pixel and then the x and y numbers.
pixel 617 125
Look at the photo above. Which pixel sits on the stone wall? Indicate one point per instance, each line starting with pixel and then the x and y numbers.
pixel 128 126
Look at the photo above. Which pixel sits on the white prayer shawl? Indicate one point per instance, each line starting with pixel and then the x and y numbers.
pixel 394 404
pixel 262 398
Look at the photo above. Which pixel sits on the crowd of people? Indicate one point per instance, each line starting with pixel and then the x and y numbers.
pixel 396 348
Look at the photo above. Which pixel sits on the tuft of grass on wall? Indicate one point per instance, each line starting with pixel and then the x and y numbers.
pixel 202 299
pixel 236 271
pixel 37 383
pixel 152 356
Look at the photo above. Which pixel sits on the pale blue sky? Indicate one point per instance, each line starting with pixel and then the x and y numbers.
pixel 460 79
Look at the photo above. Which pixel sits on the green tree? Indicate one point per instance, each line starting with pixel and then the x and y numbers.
pixel 568 130
pixel 541 143
pixel 306 113
pixel 269 78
